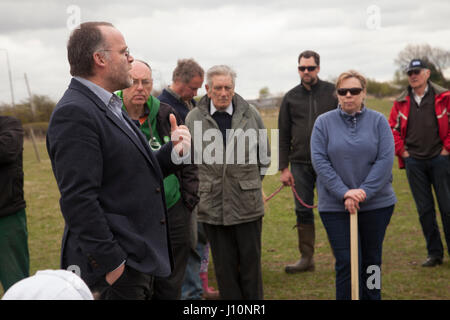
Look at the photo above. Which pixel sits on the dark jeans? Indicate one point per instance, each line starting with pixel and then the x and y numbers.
pixel 179 231
pixel 305 179
pixel 371 230
pixel 236 252
pixel 131 285
pixel 422 175
pixel 14 256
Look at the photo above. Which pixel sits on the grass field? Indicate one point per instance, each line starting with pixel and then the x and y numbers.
pixel 403 252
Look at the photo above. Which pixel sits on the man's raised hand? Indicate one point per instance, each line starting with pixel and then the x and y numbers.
pixel 180 136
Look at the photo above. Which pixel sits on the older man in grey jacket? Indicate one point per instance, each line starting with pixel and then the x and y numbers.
pixel 231 167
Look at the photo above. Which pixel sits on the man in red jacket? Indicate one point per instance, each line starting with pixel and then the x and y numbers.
pixel 420 124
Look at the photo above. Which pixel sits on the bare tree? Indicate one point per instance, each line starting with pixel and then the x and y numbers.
pixel 439 57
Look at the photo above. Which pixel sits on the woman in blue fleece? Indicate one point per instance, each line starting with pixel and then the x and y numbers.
pixel 352 151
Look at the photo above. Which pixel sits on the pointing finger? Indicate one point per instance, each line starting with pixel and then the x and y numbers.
pixel 173 122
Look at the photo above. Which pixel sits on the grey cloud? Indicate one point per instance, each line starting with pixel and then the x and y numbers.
pixel 46 14
pixel 261 39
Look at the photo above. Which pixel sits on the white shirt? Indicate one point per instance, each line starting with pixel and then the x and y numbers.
pixel 228 110
pixel 418 98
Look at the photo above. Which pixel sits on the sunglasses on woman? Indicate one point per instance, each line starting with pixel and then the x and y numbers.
pixel 353 91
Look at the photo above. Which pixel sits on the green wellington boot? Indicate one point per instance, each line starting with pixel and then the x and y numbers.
pixel 306 239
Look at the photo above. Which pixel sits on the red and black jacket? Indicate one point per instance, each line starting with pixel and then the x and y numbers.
pixel 398 119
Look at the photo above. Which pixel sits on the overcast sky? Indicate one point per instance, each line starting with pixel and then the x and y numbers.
pixel 260 39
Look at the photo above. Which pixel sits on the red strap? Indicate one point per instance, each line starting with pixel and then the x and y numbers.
pixel 295 194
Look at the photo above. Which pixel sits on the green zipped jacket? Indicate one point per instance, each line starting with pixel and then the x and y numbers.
pixel 185 182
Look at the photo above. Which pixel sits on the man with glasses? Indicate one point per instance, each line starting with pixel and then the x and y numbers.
pixel 298 111
pixel 420 124
pixel 111 183
pixel 152 118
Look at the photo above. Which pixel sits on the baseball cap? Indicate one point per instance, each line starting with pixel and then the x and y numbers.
pixel 416 64
pixel 50 285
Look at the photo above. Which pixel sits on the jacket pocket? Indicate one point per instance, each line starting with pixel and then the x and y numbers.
pixel 204 193
pixel 250 198
pixel 250 184
pixel 127 235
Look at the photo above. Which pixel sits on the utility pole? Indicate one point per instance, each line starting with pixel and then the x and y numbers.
pixel 10 77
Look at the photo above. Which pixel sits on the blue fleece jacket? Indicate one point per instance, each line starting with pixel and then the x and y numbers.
pixel 353 152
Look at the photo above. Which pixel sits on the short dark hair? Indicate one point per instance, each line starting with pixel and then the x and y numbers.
pixel 308 54
pixel 83 42
pixel 187 69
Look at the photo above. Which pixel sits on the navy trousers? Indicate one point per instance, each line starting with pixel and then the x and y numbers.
pixel 236 252
pixel 371 230
pixel 422 176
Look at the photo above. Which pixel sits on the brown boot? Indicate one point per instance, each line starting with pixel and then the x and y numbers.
pixel 306 239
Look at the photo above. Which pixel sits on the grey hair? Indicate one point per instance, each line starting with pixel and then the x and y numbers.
pixel 220 70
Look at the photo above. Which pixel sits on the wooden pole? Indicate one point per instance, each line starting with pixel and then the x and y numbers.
pixel 33 110
pixel 354 255
pixel 32 106
pixel 33 139
pixel 10 77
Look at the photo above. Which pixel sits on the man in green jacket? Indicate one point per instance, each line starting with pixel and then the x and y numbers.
pixel 231 204
pixel 152 117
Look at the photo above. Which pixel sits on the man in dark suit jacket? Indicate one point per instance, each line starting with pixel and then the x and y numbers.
pixel 111 183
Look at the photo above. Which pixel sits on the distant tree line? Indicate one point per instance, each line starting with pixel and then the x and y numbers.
pixel 438 61
pixel 382 89
pixel 43 108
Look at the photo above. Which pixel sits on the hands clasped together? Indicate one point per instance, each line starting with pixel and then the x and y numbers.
pixel 352 198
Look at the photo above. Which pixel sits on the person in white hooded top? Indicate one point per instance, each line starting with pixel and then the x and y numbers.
pixel 50 285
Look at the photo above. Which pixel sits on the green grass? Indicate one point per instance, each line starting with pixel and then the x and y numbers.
pixel 403 251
